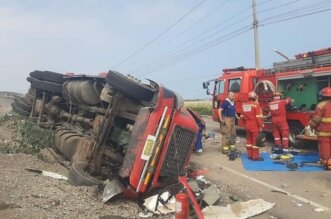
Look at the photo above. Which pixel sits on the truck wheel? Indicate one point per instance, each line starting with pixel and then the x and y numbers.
pixel 48 76
pixel 295 128
pixel 19 111
pixel 129 86
pixel 45 85
pixel 21 103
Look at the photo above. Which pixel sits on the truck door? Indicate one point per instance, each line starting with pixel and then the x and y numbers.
pixel 235 87
pixel 218 96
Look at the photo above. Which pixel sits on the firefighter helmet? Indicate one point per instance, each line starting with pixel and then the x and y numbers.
pixel 252 95
pixel 326 92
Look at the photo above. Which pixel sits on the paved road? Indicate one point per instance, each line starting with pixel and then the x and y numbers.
pixel 301 192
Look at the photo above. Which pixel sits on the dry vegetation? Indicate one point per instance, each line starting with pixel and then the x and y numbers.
pixel 203 107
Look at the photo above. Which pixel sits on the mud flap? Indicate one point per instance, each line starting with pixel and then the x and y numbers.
pixel 79 177
pixel 112 189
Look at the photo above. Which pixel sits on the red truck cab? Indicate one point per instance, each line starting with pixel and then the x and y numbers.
pixel 300 79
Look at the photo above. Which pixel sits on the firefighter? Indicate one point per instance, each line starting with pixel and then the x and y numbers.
pixel 227 115
pixel 279 122
pixel 321 122
pixel 252 118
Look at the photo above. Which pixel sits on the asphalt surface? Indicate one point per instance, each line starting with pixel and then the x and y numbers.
pixel 296 194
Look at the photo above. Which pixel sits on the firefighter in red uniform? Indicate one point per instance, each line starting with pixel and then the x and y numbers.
pixel 252 118
pixel 278 114
pixel 321 122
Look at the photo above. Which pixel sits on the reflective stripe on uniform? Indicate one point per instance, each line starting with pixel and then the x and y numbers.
pixel 258 116
pixel 285 138
pixel 326 120
pixel 323 134
pixel 277 138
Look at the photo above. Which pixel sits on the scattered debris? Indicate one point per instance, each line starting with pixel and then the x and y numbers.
pixel 194 186
pixel 211 195
pixel 234 198
pixel 285 193
pixel 298 204
pixel 238 210
pixel 160 204
pixel 48 173
pixel 112 189
pixel 319 209
pixel 145 214
pixel 284 185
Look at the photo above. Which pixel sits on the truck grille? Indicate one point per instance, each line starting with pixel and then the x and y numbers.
pixel 178 150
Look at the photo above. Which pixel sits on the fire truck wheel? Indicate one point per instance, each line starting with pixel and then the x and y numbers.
pixel 48 76
pixel 21 103
pixel 129 86
pixel 45 85
pixel 19 111
pixel 295 129
pixel 79 177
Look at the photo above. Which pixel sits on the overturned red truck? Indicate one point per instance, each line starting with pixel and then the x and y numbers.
pixel 300 79
pixel 112 127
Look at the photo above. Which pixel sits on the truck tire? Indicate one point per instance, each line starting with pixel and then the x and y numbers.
pixel 129 86
pixel 48 86
pixel 21 103
pixel 295 128
pixel 79 177
pixel 48 76
pixel 19 111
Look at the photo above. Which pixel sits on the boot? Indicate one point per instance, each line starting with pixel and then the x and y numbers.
pixel 326 164
pixel 249 151
pixel 256 154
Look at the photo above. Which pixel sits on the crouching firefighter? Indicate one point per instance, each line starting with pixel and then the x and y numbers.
pixel 321 122
pixel 279 122
pixel 227 116
pixel 252 118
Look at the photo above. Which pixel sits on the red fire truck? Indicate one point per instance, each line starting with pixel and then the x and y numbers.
pixel 301 79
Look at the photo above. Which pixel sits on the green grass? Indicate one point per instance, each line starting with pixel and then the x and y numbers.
pixel 203 107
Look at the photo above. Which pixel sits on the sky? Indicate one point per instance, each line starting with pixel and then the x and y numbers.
pixel 197 42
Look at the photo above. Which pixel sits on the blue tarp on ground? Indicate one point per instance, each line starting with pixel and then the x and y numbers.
pixel 270 165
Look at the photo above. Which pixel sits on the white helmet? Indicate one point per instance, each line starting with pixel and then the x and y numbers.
pixel 252 95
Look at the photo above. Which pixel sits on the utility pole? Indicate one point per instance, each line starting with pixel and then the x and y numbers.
pixel 256 37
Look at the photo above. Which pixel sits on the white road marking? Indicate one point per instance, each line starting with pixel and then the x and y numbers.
pixel 276 188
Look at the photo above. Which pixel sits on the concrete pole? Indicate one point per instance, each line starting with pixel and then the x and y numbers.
pixel 256 37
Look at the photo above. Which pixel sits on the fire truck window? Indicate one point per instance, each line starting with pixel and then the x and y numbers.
pixel 234 85
pixel 220 87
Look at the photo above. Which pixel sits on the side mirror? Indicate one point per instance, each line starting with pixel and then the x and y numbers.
pixel 208 91
pixel 205 85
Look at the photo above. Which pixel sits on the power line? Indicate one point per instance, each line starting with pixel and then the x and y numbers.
pixel 198 21
pixel 191 78
pixel 199 38
pixel 200 49
pixel 160 34
pixel 216 43
pixel 166 43
pixel 269 23
pixel 294 17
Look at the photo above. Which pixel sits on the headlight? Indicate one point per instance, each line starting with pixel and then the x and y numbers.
pixel 179 102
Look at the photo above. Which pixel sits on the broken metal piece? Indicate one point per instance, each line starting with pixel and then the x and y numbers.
pixel 160 204
pixel 48 173
pixel 112 189
pixel 211 195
